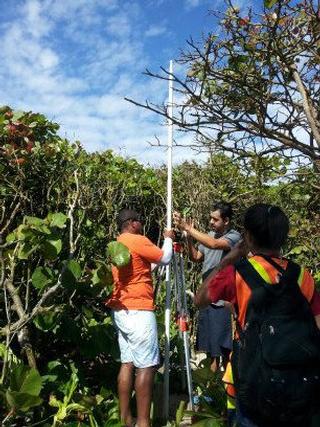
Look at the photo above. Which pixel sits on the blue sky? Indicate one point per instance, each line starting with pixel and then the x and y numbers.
pixel 76 60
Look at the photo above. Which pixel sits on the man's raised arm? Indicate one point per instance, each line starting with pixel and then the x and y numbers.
pixel 201 298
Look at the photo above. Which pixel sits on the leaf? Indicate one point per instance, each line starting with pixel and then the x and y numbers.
pixel 102 276
pixel 25 380
pixel 51 248
pixel 43 229
pixel 69 330
pixel 46 321
pixel 53 364
pixel 17 115
pixel 26 250
pixel 235 62
pixel 71 273
pixel 57 219
pixel 180 412
pixel 11 237
pixel 119 254
pixel 98 338
pixel 208 422
pixel 37 224
pixel 24 232
pixel 269 3
pixel 113 422
pixel 22 401
pixel 33 220
pixel 49 378
pixel 105 393
pixel 70 387
pixel 75 268
pixel 186 211
pixel 41 277
pixel 54 402
pixel 298 250
pixel 202 375
pixel 95 279
pixel 55 371
pixel 75 424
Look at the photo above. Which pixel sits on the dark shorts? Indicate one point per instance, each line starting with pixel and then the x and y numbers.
pixel 214 335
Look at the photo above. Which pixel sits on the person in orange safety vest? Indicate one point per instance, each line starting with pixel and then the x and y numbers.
pixel 266 229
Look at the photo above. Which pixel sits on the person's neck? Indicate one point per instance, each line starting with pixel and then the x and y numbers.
pixel 274 253
pixel 130 231
pixel 221 233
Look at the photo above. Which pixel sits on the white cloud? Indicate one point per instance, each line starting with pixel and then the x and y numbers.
pixel 155 30
pixel 75 61
pixel 48 59
pixel 119 25
pixel 35 23
pixel 192 3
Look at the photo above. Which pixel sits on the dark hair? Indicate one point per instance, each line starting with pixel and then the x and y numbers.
pixel 268 225
pixel 224 208
pixel 125 215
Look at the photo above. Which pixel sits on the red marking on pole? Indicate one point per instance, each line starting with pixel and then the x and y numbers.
pixel 177 247
pixel 183 323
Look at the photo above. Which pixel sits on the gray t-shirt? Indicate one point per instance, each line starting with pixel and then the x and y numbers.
pixel 212 257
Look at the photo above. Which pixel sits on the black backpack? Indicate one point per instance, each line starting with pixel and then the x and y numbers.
pixel 276 361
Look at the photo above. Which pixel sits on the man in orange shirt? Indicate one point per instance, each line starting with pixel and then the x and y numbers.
pixel 132 305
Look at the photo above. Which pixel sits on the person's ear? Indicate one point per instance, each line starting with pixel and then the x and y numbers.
pixel 227 220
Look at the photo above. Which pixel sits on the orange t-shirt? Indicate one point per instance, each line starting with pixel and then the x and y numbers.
pixel 133 288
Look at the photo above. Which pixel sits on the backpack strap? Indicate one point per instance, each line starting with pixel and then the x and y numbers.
pixel 292 272
pixel 256 283
pixel 273 263
pixel 249 274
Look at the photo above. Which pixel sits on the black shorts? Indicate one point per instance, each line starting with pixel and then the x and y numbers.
pixel 214 335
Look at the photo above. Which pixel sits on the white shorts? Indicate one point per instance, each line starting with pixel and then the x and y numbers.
pixel 137 336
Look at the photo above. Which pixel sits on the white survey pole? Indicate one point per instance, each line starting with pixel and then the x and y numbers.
pixel 170 140
pixel 169 226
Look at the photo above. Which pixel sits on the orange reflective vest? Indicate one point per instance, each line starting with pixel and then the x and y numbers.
pixel 229 386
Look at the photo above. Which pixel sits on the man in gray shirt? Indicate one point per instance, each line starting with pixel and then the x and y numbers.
pixel 214 335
